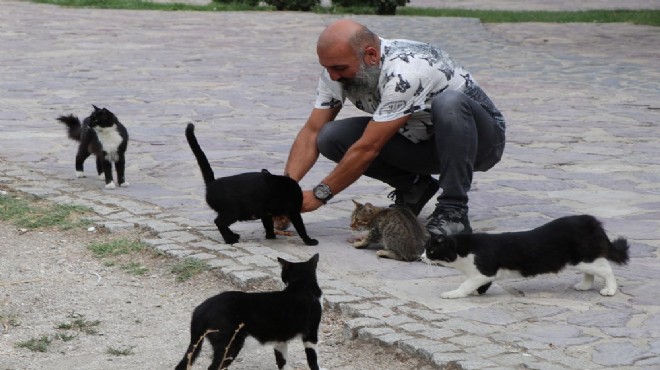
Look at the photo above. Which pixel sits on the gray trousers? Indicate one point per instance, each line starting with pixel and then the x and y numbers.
pixel 466 139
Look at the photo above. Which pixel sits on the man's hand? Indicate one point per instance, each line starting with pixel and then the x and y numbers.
pixel 310 203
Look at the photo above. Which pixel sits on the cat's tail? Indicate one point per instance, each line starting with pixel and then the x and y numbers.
pixel 618 251
pixel 73 124
pixel 204 166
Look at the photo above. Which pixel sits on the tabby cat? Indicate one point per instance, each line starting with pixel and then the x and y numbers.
pixel 274 317
pixel 395 228
pixel 249 196
pixel 104 136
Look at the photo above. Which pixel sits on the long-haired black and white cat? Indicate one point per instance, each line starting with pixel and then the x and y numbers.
pixel 249 196
pixel 577 241
pixel 104 136
pixel 228 318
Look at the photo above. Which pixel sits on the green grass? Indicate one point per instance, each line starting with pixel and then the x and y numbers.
pixel 116 248
pixel 120 351
pixel 641 17
pixel 146 5
pixel 36 344
pixel 34 214
pixel 80 324
pixel 187 268
pixel 135 268
pixel 65 337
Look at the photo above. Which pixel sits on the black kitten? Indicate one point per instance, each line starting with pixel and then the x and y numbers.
pixel 249 196
pixel 577 241
pixel 277 317
pixel 104 136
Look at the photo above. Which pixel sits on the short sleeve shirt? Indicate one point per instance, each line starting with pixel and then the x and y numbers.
pixel 412 74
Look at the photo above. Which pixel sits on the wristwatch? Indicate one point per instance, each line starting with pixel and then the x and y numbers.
pixel 322 192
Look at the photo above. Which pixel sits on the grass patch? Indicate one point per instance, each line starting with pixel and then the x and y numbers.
pixel 34 214
pixel 116 248
pixel 9 320
pixel 147 5
pixel 135 268
pixel 187 268
pixel 649 17
pixel 80 324
pixel 120 351
pixel 64 337
pixel 641 17
pixel 36 344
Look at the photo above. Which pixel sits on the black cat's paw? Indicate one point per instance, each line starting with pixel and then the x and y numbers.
pixel 231 239
pixel 270 235
pixel 310 241
pixel 482 289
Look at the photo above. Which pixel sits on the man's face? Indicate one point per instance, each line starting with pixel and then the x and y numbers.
pixel 349 69
pixel 340 62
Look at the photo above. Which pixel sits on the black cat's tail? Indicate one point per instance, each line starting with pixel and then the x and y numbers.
pixel 618 251
pixel 204 166
pixel 73 124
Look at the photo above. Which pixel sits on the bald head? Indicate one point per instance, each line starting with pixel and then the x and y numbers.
pixel 346 45
pixel 346 33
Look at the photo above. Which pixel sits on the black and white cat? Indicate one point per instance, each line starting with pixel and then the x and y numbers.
pixel 104 136
pixel 228 318
pixel 577 241
pixel 249 196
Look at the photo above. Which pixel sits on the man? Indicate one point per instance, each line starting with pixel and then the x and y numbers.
pixel 428 116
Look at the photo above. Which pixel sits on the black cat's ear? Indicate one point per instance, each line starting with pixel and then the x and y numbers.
pixel 265 171
pixel 284 263
pixel 315 258
pixel 95 107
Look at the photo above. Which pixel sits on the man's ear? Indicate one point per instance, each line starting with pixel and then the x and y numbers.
pixel 370 56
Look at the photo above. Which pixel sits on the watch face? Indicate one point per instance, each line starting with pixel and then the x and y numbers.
pixel 322 191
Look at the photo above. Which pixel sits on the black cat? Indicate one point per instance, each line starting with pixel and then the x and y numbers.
pixel 249 196
pixel 277 317
pixel 104 136
pixel 573 241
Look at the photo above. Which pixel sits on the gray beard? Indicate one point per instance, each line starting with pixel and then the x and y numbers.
pixel 364 82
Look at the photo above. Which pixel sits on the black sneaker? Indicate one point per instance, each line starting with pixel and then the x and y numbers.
pixel 416 197
pixel 448 221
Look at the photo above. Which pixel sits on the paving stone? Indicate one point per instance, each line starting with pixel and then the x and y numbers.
pixel 179 236
pixel 246 278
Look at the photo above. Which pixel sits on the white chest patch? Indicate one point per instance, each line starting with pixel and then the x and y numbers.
pixel 110 139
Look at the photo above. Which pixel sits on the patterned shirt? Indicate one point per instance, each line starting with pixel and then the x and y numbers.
pixel 412 74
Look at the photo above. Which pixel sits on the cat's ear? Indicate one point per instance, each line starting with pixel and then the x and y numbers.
pixel 357 204
pixel 95 107
pixel 284 263
pixel 315 259
pixel 265 171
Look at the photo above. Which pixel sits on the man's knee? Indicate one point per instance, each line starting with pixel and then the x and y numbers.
pixel 336 137
pixel 449 104
pixel 326 142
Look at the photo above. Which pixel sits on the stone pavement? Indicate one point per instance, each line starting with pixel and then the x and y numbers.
pixel 582 104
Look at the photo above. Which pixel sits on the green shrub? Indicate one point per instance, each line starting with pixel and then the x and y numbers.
pixel 383 7
pixel 303 5
pixel 246 2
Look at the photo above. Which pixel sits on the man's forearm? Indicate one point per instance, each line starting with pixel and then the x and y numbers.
pixel 302 156
pixel 353 165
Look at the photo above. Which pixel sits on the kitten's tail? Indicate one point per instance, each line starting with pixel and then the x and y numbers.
pixel 618 251
pixel 73 124
pixel 204 166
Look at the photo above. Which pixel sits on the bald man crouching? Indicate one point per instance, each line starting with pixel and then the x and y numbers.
pixel 426 115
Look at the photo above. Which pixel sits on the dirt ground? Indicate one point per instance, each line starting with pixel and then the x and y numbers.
pixel 48 279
